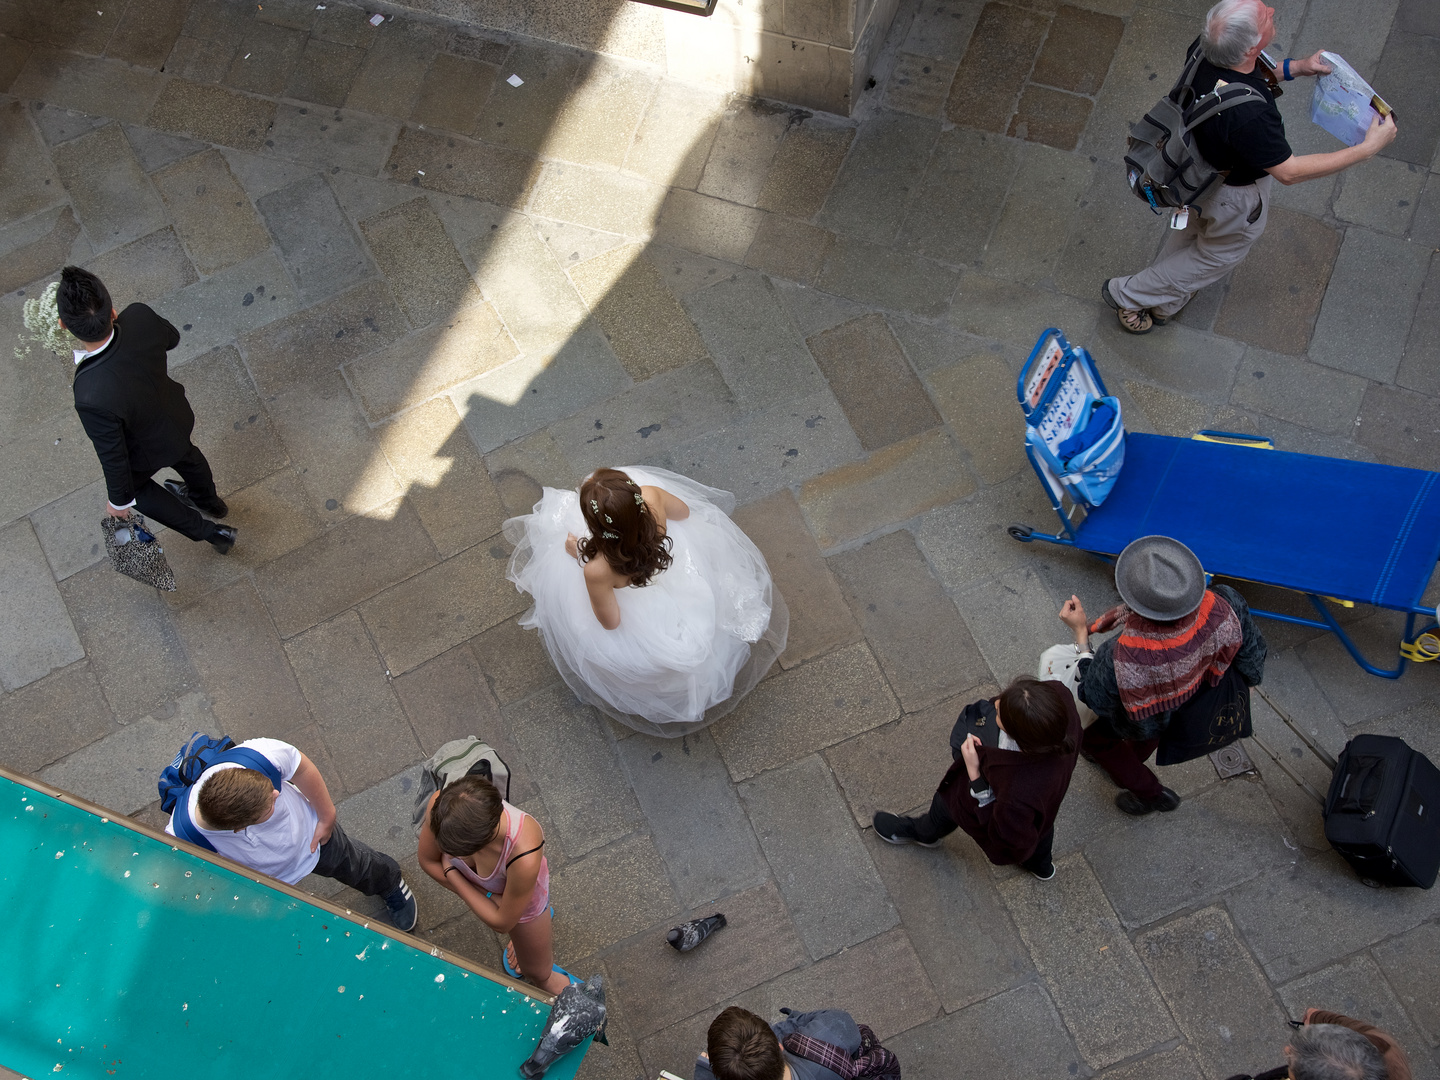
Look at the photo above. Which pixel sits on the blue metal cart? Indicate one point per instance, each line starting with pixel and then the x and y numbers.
pixel 1340 531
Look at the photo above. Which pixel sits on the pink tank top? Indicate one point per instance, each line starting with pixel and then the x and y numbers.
pixel 494 882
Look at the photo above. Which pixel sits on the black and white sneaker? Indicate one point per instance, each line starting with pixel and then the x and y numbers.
pixel 404 912
pixel 1046 875
pixel 894 829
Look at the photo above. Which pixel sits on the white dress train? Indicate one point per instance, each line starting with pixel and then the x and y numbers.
pixel 690 644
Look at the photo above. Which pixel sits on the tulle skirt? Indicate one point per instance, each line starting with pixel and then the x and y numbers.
pixel 689 645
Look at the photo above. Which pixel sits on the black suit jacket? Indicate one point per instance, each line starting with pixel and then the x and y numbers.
pixel 134 413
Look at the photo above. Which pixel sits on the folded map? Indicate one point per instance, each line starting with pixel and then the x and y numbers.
pixel 1344 104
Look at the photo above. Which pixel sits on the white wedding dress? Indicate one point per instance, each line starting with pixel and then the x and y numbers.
pixel 690 644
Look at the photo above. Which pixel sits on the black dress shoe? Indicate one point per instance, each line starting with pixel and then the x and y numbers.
pixel 224 538
pixel 215 507
pixel 1132 804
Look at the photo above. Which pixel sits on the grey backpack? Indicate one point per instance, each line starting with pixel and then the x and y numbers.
pixel 1163 164
pixel 457 758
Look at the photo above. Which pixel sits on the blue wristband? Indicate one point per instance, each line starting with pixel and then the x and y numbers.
pixel 1288 76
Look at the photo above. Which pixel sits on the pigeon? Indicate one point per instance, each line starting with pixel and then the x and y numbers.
pixel 579 1011
pixel 687 935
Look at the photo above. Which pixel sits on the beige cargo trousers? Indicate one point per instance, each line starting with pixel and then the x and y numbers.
pixel 1230 220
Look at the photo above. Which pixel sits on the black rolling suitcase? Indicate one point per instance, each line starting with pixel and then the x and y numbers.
pixel 1383 811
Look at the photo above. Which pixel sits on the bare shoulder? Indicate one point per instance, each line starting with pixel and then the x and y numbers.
pixel 530 832
pixel 655 502
pixel 600 574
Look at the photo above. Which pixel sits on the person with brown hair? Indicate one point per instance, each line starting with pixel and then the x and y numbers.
pixel 1014 756
pixel 654 606
pixel 289 830
pixel 489 854
pixel 741 1046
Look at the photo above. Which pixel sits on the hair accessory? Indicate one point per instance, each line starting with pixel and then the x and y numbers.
pixel 1286 71
pixel 609 520
pixel 594 507
pixel 640 500
pixel 608 535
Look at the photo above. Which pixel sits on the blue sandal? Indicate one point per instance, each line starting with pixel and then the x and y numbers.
pixel 505 960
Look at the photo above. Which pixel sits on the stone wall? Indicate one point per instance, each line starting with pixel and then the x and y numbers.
pixel 813 53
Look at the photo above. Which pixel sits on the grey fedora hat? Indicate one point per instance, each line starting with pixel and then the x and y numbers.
pixel 1160 578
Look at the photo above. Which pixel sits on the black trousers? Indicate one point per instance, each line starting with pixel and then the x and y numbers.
pixel 937 822
pixel 358 865
pixel 157 504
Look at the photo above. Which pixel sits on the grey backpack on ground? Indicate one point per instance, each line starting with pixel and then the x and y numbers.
pixel 1163 165
pixel 457 758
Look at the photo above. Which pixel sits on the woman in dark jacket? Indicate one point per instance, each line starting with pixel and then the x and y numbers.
pixel 1005 795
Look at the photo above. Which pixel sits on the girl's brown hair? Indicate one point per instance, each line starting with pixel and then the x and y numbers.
pixel 465 815
pixel 622 529
pixel 1036 716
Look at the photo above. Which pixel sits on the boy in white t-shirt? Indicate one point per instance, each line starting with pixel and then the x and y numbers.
pixel 291 832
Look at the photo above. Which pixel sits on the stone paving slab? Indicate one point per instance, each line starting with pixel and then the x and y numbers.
pixel 321 338
pixel 897 482
pixel 444 476
pixel 36 632
pixel 345 473
pixel 315 241
pixel 820 620
pixel 826 701
pixel 1271 910
pixel 1090 967
pixel 1234 836
pixel 1372 294
pixel 537 388
pixel 867 370
pixel 923 645
pixel 1414 985
pixel 752 342
pixel 239 659
pixel 69 530
pixel 425 615
pixel 834 895
pixel 79 714
pixel 645 421
pixel 696 820
pixel 1215 990
pixel 579 777
pixel 1009 1037
pixel 780 447
pixel 130 637
pixel 626 878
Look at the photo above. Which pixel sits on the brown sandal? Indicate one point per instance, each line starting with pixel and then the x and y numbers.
pixel 1132 320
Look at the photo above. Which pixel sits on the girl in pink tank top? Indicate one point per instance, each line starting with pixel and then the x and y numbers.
pixel 489 854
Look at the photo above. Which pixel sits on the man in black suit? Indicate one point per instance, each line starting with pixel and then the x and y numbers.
pixel 135 414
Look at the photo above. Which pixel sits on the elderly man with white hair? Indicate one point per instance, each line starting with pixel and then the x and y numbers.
pixel 1247 142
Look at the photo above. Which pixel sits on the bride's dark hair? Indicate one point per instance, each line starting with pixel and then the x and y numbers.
pixel 622 529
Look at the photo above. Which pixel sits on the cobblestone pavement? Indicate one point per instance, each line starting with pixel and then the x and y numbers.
pixel 412 293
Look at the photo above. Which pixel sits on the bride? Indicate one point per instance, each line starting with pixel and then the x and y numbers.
pixel 653 604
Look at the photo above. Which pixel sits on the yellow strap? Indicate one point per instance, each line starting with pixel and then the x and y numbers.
pixel 1425 647
pixel 1258 442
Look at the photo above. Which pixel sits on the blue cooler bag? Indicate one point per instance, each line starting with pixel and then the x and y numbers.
pixel 1088 462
